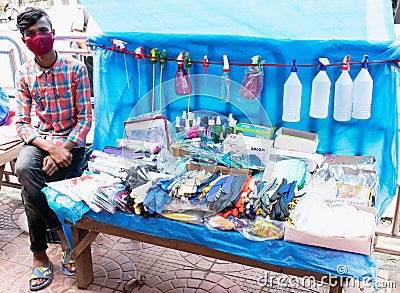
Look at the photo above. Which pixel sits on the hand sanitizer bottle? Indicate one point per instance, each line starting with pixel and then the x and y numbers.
pixel 225 80
pixel 182 82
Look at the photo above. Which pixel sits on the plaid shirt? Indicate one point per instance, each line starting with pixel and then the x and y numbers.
pixel 60 97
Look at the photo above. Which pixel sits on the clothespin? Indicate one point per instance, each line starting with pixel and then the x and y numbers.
pixel 154 55
pixel 205 63
pixel 346 63
pixel 188 64
pixel 256 60
pixel 162 57
pixel 139 51
pixel 118 45
pixel 259 62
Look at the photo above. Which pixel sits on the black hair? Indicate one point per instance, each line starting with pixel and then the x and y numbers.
pixel 29 17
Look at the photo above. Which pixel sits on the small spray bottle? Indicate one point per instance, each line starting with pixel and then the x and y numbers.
pixel 139 51
pixel 225 80
pixel 182 82
pixel 205 66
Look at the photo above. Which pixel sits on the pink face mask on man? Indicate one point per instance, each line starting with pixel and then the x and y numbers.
pixel 40 43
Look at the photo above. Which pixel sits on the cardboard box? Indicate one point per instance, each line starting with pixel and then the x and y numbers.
pixel 312 160
pixel 359 244
pixel 355 162
pixel 238 144
pixel 350 193
pixel 296 140
pixel 249 129
pixel 222 169
pixel 179 150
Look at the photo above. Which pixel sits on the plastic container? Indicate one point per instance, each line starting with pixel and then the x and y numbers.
pixel 211 128
pixel 253 80
pixel 225 80
pixel 218 129
pixel 343 101
pixel 320 92
pixel 292 96
pixel 362 93
pixel 230 128
pixel 183 85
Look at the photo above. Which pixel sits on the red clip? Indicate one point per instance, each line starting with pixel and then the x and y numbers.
pixel 139 51
pixel 205 63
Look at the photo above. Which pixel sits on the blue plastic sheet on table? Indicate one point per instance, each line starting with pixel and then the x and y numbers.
pixel 275 252
pixel 64 206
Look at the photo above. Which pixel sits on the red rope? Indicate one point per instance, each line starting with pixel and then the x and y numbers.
pixel 248 64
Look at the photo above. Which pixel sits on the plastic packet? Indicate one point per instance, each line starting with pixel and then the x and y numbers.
pixel 253 80
pixel 217 222
pixel 262 230
pixel 64 206
pixel 4 107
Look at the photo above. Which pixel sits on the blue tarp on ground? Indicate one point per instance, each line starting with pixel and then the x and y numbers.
pixel 279 31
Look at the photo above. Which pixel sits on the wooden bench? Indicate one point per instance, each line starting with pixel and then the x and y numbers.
pixel 8 155
pixel 85 231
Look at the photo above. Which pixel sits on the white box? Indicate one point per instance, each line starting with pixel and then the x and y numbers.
pixel 359 244
pixel 354 162
pixel 239 144
pixel 296 140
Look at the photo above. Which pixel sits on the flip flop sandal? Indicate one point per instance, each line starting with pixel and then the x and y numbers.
pixel 41 273
pixel 66 259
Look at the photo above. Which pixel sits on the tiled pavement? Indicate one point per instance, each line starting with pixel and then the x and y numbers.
pixel 118 260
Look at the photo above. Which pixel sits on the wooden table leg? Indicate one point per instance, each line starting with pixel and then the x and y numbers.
pixel 1 174
pixel 83 261
pixel 336 289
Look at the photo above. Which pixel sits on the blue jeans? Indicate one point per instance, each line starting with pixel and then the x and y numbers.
pixel 29 171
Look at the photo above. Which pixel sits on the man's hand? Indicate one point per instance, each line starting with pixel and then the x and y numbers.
pixel 61 156
pixel 49 166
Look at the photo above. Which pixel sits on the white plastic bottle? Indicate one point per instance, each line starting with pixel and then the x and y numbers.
pixel 320 92
pixel 225 80
pixel 362 92
pixel 343 94
pixel 292 96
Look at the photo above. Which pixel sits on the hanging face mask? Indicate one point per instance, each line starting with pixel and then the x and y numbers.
pixel 40 43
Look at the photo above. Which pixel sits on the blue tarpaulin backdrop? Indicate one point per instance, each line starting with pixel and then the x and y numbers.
pixel 279 31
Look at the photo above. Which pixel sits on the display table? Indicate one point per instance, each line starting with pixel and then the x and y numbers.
pixel 274 255
pixel 7 155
